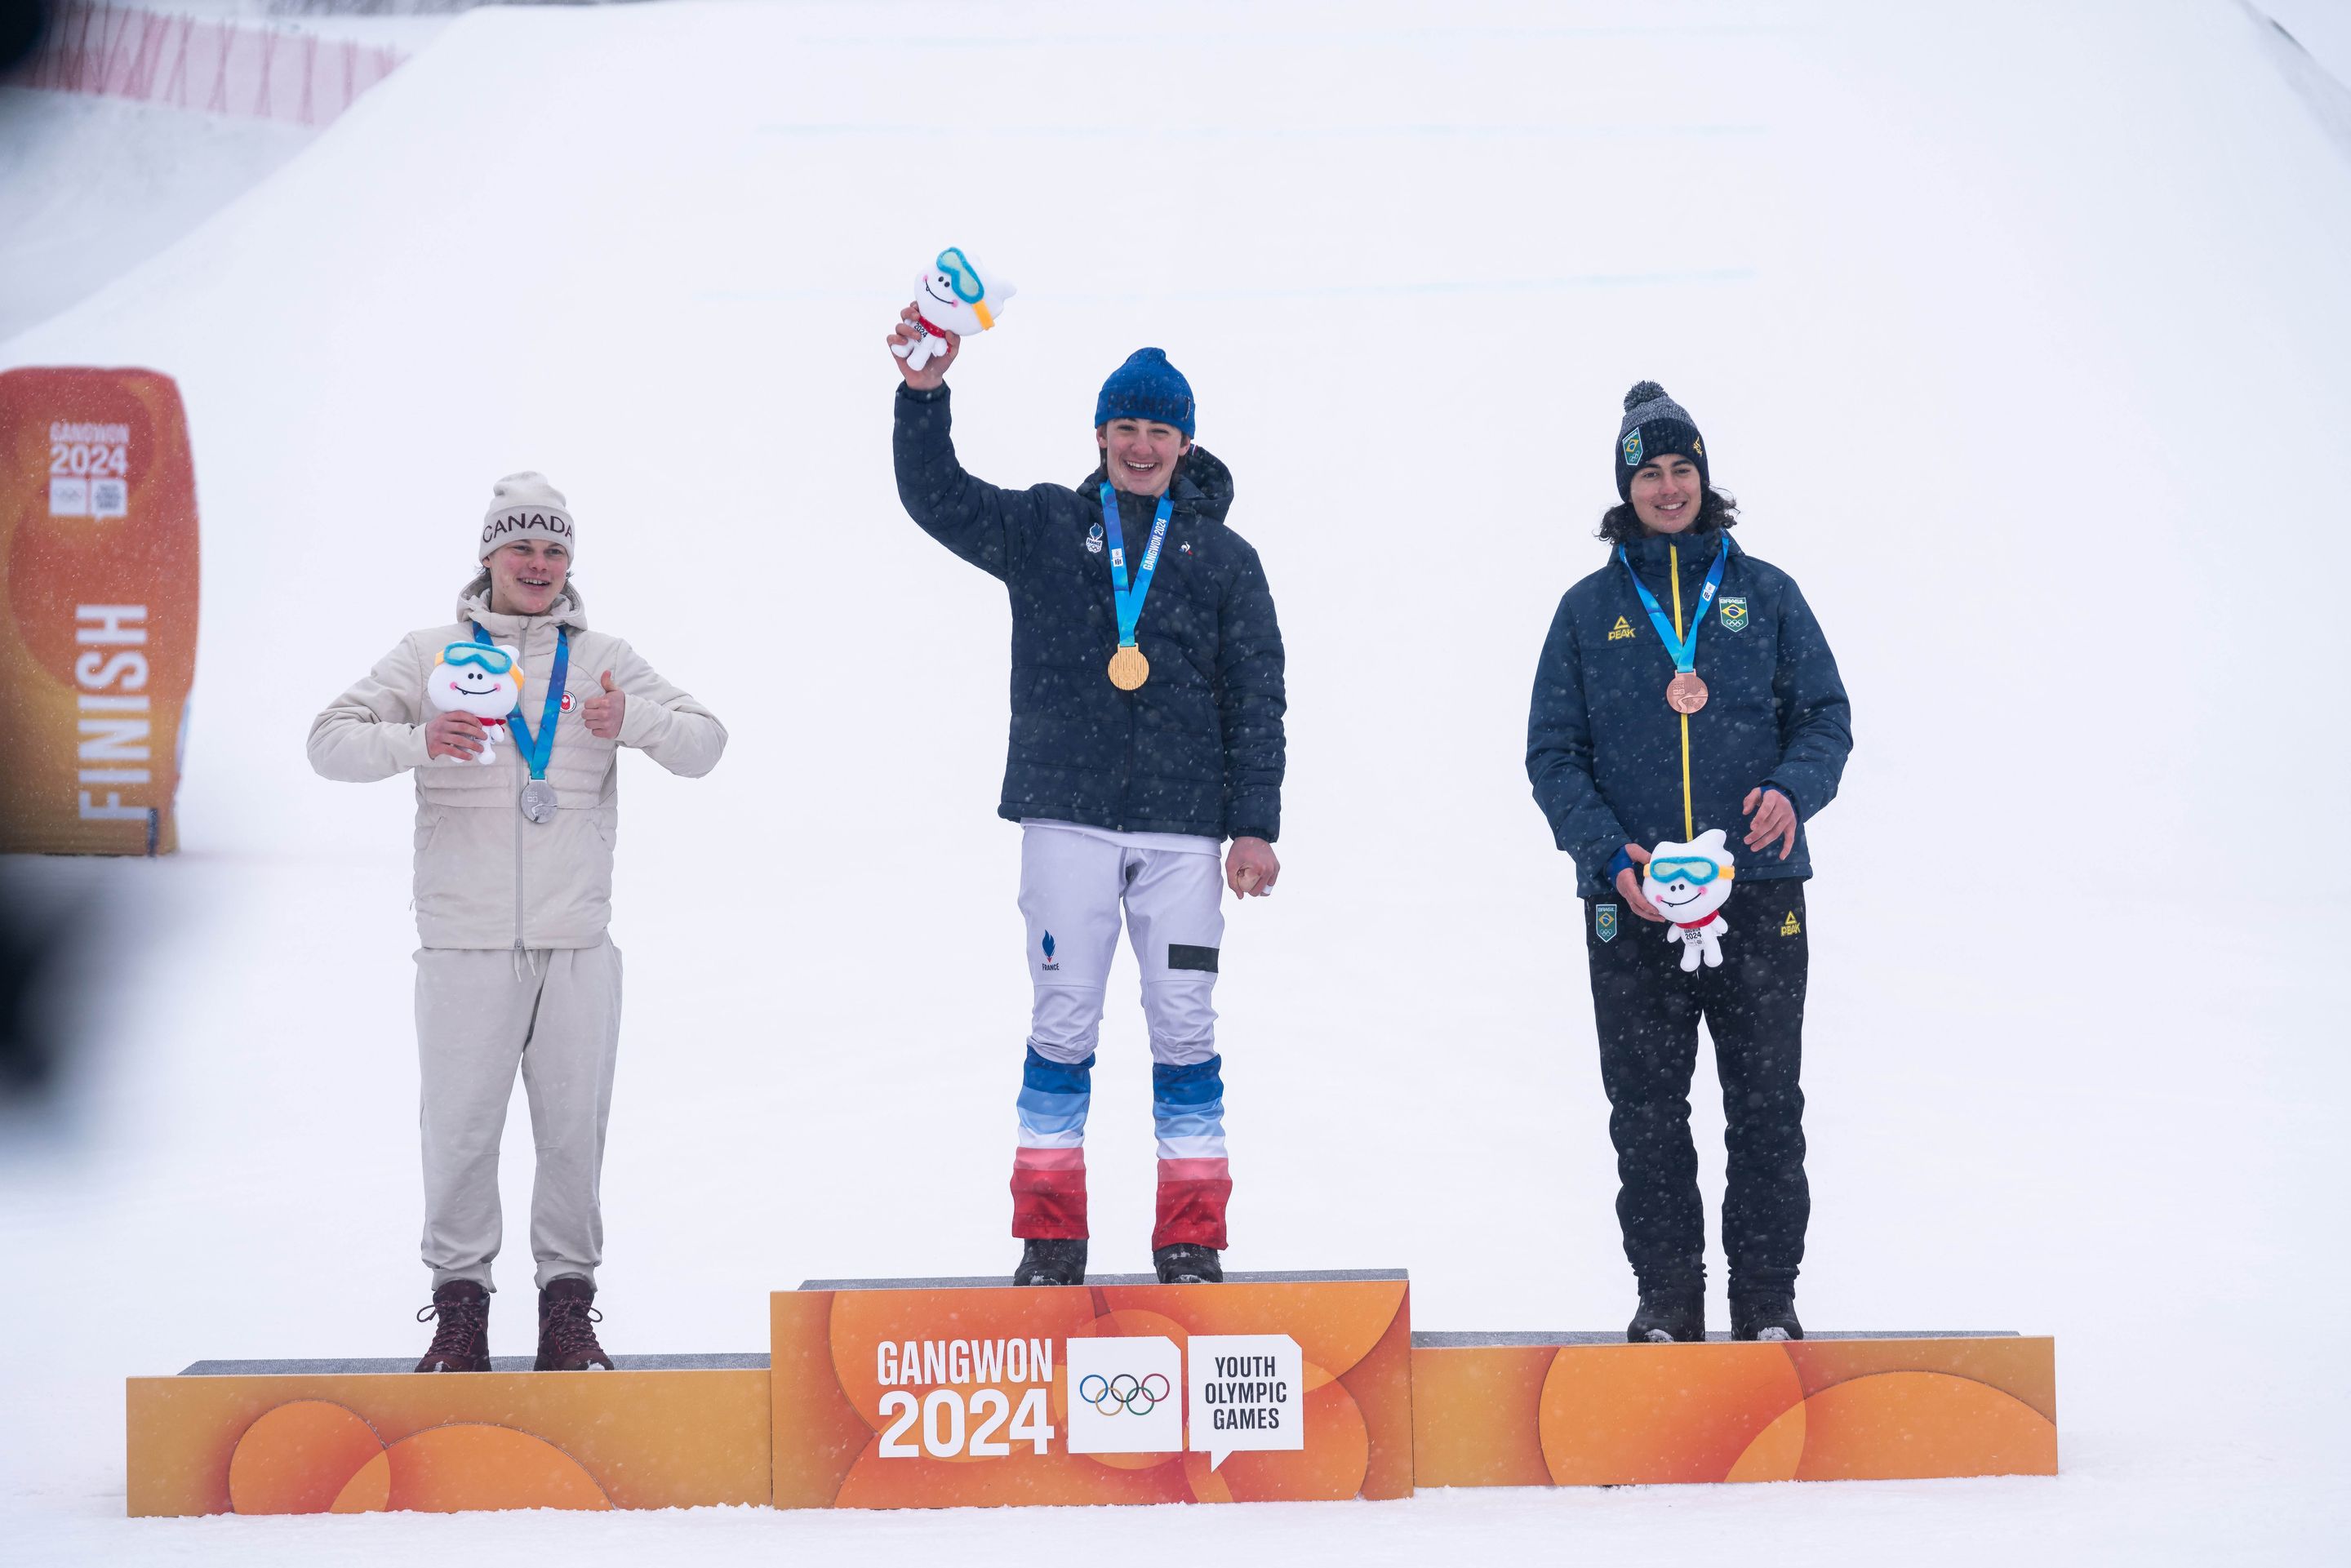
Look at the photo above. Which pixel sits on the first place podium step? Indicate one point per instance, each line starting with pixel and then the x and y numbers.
pixel 962 1393
pixel 950 1392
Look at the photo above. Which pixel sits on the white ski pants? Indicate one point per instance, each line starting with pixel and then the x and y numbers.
pixel 1073 886
pixel 482 1013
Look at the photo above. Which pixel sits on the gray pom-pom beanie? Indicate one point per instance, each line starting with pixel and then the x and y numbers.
pixel 1654 423
pixel 526 507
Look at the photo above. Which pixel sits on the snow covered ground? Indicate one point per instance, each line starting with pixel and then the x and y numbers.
pixel 2018 328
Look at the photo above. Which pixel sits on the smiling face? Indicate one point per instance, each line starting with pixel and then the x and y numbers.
pixel 1140 454
pixel 941 306
pixel 473 678
pixel 1689 882
pixel 527 577
pixel 1667 492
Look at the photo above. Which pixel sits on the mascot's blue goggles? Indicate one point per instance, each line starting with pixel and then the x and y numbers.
pixel 1697 871
pixel 496 661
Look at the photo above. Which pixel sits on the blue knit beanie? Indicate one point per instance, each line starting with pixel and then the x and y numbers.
pixel 1147 387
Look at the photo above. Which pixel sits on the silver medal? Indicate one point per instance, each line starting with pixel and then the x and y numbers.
pixel 538 800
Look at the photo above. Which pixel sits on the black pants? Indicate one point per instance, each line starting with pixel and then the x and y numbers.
pixel 1648 1013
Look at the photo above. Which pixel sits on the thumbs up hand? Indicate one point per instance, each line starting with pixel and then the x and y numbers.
pixel 603 711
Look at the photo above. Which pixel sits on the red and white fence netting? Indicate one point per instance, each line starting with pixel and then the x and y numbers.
pixel 218 68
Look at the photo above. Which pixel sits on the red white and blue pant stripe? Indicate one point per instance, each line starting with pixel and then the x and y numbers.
pixel 1075 884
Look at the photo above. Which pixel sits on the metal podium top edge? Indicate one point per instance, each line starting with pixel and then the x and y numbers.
pixel 1279 1277
pixel 1447 1340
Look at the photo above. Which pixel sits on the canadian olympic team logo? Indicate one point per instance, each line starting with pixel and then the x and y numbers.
pixel 1124 1392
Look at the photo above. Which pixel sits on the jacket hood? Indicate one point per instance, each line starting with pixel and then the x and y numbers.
pixel 474 605
pixel 1203 486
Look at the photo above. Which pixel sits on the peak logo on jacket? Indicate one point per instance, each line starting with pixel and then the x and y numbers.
pixel 1623 628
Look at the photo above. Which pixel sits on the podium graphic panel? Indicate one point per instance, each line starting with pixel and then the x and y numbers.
pixel 1592 1410
pixel 346 1442
pixel 97 644
pixel 961 1393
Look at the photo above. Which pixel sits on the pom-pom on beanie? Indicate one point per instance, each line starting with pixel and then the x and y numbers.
pixel 1147 387
pixel 1654 424
pixel 526 507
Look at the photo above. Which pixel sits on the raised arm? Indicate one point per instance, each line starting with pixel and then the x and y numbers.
pixel 1559 755
pixel 978 520
pixel 1250 702
pixel 377 728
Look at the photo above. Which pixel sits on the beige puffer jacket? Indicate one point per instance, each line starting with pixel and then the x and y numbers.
pixel 484 876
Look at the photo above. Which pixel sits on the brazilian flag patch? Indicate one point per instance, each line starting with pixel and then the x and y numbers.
pixel 1734 614
pixel 1603 922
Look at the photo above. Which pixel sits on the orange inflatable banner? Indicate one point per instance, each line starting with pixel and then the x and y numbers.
pixel 97 528
pixel 956 1393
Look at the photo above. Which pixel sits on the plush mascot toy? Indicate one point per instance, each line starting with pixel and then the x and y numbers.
pixel 955 297
pixel 481 680
pixel 1690 883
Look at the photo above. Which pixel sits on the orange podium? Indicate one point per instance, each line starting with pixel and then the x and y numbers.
pixel 98 648
pixel 360 1437
pixel 972 1393
pixel 1592 1410
pixel 956 1393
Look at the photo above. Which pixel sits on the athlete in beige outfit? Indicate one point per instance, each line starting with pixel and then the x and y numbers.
pixel 514 880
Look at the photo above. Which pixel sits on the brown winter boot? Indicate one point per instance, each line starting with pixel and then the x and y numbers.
pixel 460 1341
pixel 567 1333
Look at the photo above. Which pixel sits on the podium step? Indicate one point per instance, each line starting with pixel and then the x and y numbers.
pixel 958 1393
pixel 1589 1410
pixel 941 1392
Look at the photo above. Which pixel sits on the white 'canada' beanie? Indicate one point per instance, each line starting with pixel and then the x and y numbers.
pixel 523 507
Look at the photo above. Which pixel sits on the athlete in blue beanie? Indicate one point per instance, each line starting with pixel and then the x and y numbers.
pixel 1147 703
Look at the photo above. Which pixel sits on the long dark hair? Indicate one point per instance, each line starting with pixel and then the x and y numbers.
pixel 1719 509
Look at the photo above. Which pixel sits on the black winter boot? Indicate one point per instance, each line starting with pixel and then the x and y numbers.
pixel 461 1339
pixel 567 1328
pixel 1668 1314
pixel 1188 1264
pixel 1050 1260
pixel 1765 1314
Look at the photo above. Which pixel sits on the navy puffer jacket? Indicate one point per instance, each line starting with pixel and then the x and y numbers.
pixel 1198 748
pixel 1607 756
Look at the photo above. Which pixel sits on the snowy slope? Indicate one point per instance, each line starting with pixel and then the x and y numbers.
pixel 2018 330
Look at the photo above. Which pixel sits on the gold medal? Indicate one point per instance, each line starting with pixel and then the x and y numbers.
pixel 1686 693
pixel 1128 669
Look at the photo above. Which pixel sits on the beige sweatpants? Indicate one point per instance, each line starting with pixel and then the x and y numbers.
pixel 480 1013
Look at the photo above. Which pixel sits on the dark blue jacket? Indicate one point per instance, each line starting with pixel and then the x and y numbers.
pixel 1605 752
pixel 1198 748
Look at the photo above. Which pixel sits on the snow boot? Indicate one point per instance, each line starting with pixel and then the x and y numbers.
pixel 1051 1260
pixel 1668 1314
pixel 461 1339
pixel 567 1328
pixel 1185 1264
pixel 1766 1316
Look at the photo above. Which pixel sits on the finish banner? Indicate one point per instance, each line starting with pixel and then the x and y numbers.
pixel 97 528
pixel 962 1393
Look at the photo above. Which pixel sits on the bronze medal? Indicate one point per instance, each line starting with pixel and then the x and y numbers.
pixel 1128 669
pixel 1686 693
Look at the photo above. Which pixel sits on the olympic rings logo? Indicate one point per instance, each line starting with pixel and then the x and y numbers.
pixel 1126 1392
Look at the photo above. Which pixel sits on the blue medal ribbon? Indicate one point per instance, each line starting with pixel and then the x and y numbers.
pixel 1130 600
pixel 537 749
pixel 1683 649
